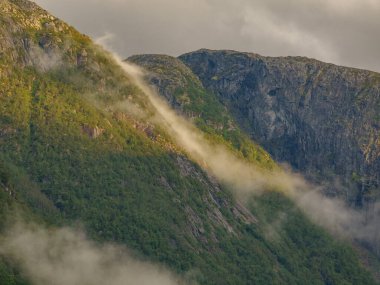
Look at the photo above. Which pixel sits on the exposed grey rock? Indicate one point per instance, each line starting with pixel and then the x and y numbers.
pixel 321 118
pixel 82 58
pixel 93 132
pixel 30 36
pixel 214 203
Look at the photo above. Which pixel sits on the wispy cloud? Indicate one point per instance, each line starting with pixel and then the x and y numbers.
pixel 343 31
pixel 65 256
pixel 246 179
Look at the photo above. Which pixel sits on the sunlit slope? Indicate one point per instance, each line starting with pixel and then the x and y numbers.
pixel 174 82
pixel 71 150
pixel 186 94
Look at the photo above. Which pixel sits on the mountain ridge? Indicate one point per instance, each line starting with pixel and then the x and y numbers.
pixel 257 55
pixel 69 155
pixel 287 102
pixel 160 70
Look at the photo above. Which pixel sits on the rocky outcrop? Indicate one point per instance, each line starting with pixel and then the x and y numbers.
pixel 82 58
pixel 321 118
pixel 93 132
pixel 31 37
pixel 214 204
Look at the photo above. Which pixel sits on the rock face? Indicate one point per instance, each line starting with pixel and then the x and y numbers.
pixel 31 37
pixel 183 90
pixel 322 119
pixel 93 132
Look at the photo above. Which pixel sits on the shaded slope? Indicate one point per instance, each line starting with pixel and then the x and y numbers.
pixel 71 157
pixel 185 93
pixel 172 80
pixel 321 118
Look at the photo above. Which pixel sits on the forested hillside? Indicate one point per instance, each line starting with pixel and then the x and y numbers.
pixel 72 150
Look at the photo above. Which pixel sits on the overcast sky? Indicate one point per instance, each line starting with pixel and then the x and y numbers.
pixel 345 32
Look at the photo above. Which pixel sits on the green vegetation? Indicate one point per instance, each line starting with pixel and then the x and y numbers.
pixel 212 118
pixel 68 160
pixel 185 93
pixel 8 272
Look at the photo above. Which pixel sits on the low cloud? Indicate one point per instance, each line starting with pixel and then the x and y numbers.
pixel 246 179
pixel 44 61
pixel 67 257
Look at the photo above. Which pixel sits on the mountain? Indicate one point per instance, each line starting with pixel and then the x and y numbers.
pixel 321 118
pixel 74 150
pixel 185 93
pixel 174 81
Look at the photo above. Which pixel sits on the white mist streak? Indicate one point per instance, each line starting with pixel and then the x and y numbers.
pixel 67 257
pixel 214 158
pixel 245 178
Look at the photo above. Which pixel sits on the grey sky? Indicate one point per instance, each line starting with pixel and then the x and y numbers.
pixel 345 32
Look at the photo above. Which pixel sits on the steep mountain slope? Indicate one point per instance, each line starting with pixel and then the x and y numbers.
pixel 186 94
pixel 71 150
pixel 321 118
pixel 175 81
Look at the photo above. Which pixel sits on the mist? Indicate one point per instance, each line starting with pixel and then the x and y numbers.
pixel 44 61
pixel 246 179
pixel 65 256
